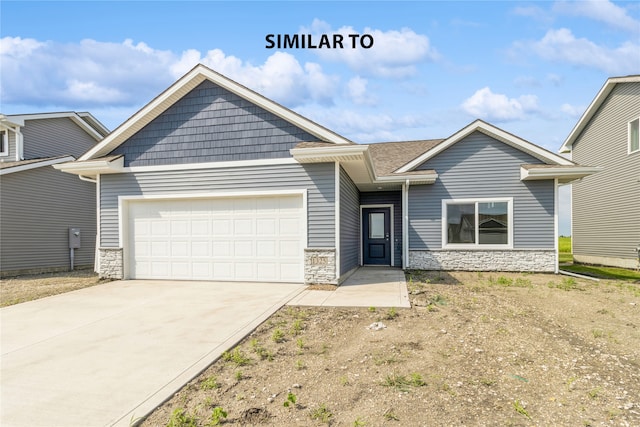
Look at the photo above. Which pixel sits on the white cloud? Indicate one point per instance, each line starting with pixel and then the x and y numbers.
pixel 573 111
pixel 395 53
pixel 491 106
pixel 358 93
pixel 93 73
pixel 563 47
pixel 600 10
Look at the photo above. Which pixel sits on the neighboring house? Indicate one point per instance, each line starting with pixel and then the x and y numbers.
pixel 212 181
pixel 605 226
pixel 39 204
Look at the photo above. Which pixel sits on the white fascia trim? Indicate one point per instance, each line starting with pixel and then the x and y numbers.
pixel 185 84
pixel 552 173
pixel 93 167
pixel 477 245
pixel 492 131
pixel 592 108
pixel 35 165
pixel 212 165
pixel 429 178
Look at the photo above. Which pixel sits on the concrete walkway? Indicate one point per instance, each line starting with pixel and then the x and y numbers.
pixel 367 287
pixel 109 354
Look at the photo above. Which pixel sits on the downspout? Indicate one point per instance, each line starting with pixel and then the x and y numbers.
pixel 405 225
pixel 555 225
pixel 84 178
pixel 19 144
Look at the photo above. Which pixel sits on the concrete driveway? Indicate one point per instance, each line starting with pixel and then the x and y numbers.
pixel 109 354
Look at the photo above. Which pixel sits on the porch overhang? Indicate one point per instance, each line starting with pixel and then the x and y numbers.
pixel 563 173
pixel 92 168
pixel 356 161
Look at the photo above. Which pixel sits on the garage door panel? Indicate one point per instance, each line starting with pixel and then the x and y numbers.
pixel 252 239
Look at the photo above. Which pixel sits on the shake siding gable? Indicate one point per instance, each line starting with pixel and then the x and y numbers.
pixel 481 167
pixel 318 179
pixel 211 124
pixel 54 137
pixel 606 205
pixel 349 224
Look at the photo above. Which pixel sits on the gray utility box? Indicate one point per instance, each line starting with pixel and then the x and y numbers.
pixel 74 238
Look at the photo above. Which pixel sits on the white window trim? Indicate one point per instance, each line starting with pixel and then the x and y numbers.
pixel 4 147
pixel 629 136
pixel 477 245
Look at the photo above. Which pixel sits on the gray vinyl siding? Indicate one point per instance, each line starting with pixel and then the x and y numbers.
pixel 11 156
pixel 387 198
pixel 37 207
pixel 349 224
pixel 606 205
pixel 54 137
pixel 211 124
pixel 481 167
pixel 318 179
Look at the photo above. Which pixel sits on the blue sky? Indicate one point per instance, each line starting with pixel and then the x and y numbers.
pixel 530 68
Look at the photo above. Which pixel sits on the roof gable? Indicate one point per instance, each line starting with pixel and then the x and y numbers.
pixel 593 108
pixel 84 120
pixel 493 132
pixel 186 84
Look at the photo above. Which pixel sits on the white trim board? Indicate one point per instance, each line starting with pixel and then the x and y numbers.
pixel 36 165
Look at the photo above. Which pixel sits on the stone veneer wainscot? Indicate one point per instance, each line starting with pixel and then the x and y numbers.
pixel 484 260
pixel 320 266
pixel 111 266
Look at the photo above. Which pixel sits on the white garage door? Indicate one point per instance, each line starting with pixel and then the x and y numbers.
pixel 241 239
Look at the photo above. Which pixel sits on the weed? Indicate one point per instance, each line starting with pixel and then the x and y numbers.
pixel 389 415
pixel 359 423
pixel 217 416
pixel 391 314
pixel 180 418
pixel 237 356
pixel 402 383
pixel 209 384
pixel 322 414
pixel 504 281
pixel 238 375
pixel 597 333
pixel 277 336
pixel 372 309
pixel 417 381
pixel 438 300
pixel 344 381
pixel 488 382
pixel 567 284
pixel 594 393
pixel 300 344
pixel 291 400
pixel 522 282
pixel 297 327
pixel 300 365
pixel 261 351
pixel 324 349
pixel 517 405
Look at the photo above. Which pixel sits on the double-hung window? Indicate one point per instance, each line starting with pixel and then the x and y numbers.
pixel 477 223
pixel 634 136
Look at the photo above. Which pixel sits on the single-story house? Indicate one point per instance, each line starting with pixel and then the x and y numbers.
pixel 212 181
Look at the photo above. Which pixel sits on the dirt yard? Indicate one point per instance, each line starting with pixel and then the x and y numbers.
pixel 475 349
pixel 29 287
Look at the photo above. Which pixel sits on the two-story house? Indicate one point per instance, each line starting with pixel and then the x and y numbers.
pixel 606 205
pixel 39 204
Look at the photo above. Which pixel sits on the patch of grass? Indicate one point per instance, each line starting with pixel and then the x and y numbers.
pixel 290 401
pixel 180 418
pixel 359 423
pixel 300 365
pixel 402 383
pixel 297 327
pixel 392 313
pixel 344 381
pixel 277 336
pixel 217 416
pixel 488 382
pixel 322 414
pixel 209 384
pixel 517 405
pixel 564 244
pixel 260 350
pixel 594 393
pixel 504 281
pixel 597 333
pixel 238 375
pixel 389 415
pixel 372 309
pixel 600 272
pixel 567 284
pixel 236 356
